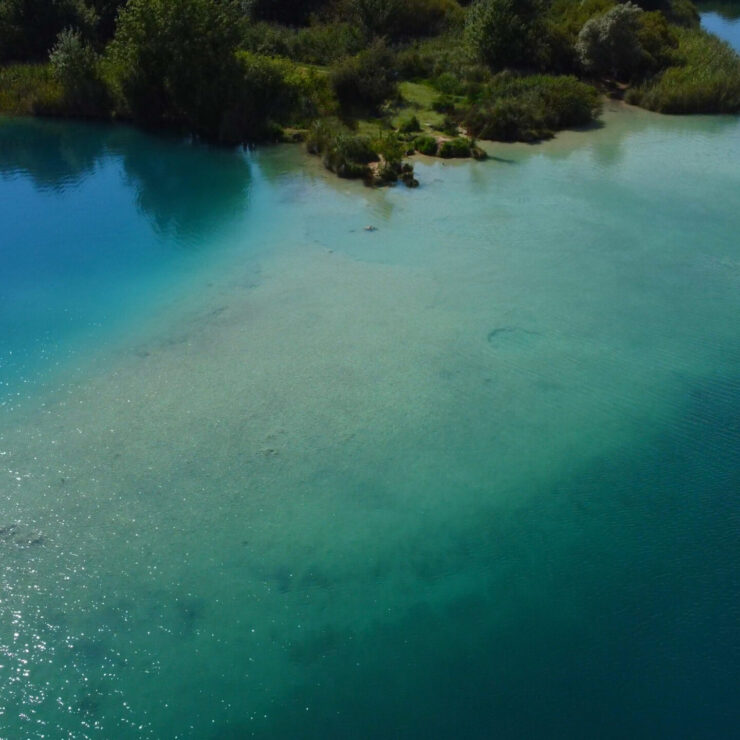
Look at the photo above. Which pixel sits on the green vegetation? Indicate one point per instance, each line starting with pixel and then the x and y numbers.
pixel 29 89
pixel 409 126
pixel 528 108
pixel 706 78
pixel 457 147
pixel 364 82
pixel 426 145
pixel 29 28
pixel 148 72
pixel 376 159
pixel 609 43
pixel 76 66
pixel 507 33
pixel 342 151
pixel 626 42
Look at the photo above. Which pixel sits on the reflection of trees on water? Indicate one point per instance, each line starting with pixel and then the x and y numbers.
pixel 185 189
pixel 729 9
pixel 56 156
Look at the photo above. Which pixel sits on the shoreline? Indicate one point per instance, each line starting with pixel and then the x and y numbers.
pixel 291 160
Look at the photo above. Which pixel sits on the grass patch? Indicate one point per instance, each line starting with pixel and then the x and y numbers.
pixel 426 145
pixel 418 99
pixel 706 81
pixel 29 89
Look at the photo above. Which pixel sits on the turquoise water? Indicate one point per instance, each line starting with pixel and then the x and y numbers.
pixel 96 221
pixel 473 474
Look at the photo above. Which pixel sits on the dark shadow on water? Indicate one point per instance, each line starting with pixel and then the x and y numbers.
pixel 728 9
pixel 185 189
pixel 55 156
pixel 595 125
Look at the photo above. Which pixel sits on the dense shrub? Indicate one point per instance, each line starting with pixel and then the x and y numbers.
pixel 341 150
pixel 459 147
pixel 173 62
pixel 610 45
pixel 291 12
pixel 570 17
pixel 506 33
pixel 410 125
pixel 564 20
pixel 28 89
pixel 681 12
pixel 431 58
pixel 449 84
pixel 426 145
pixel 268 39
pixel 706 81
pixel 270 93
pixel 626 43
pixel 364 82
pixel 658 41
pixel 444 104
pixel 391 151
pixel 530 108
pixel 449 126
pixel 314 44
pixel 426 17
pixel 325 44
pixel 106 11
pixel 77 67
pixel 398 19
pixel 29 28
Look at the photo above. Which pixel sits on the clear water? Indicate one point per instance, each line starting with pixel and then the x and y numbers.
pixel 474 474
pixel 724 22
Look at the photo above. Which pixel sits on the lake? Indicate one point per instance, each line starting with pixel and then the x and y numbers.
pixel 265 473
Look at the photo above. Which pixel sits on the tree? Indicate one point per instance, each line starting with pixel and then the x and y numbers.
pixel 106 11
pixel 28 28
pixel 364 82
pixel 173 62
pixel 610 45
pixel 290 12
pixel 403 18
pixel 506 33
pixel 75 65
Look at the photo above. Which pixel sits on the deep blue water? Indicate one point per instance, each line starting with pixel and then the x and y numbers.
pixel 94 227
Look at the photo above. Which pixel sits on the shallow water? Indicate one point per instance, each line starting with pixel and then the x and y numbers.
pixel 473 474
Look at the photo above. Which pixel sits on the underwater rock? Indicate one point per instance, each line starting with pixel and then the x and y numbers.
pixel 20 535
pixel 503 336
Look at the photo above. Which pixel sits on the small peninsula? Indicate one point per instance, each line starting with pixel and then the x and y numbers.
pixel 364 83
